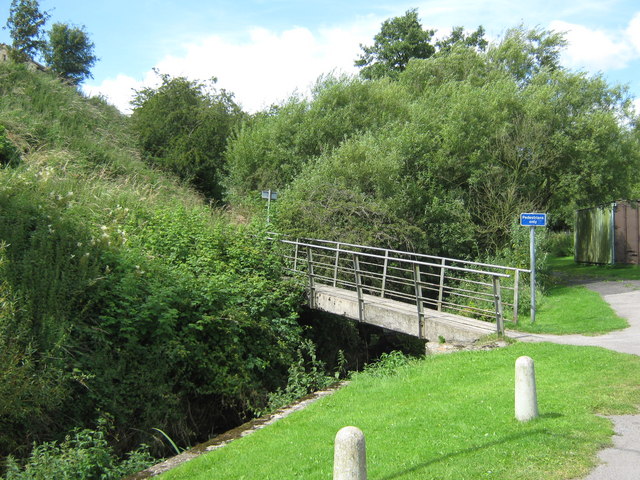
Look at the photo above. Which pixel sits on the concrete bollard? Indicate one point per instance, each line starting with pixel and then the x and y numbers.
pixel 350 458
pixel 526 396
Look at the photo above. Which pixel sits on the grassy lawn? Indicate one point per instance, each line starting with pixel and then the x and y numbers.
pixel 567 308
pixel 566 267
pixel 571 309
pixel 448 417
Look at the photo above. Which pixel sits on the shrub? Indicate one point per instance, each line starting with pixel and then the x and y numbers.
pixel 83 455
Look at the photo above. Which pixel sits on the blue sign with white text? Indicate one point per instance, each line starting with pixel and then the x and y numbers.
pixel 533 219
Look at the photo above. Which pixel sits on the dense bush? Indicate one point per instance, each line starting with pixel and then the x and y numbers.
pixel 182 127
pixel 121 293
pixel 443 157
pixel 82 455
pixel 148 314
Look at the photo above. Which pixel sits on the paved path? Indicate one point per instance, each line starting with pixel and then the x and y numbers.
pixel 624 298
pixel 622 461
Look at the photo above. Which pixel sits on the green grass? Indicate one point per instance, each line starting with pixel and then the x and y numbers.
pixel 448 417
pixel 566 269
pixel 571 309
pixel 568 308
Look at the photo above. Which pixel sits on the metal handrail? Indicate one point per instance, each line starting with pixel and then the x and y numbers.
pixel 389 275
pixel 423 255
pixel 405 260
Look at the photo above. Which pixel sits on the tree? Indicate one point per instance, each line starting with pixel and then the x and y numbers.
pixel 457 37
pixel 25 25
pixel 399 40
pixel 183 126
pixel 69 53
pixel 402 38
pixel 455 147
pixel 524 53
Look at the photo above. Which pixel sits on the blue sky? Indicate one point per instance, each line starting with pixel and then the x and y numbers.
pixel 264 50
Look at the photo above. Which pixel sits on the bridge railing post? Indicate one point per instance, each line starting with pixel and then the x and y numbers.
pixel 384 273
pixel 497 295
pixel 441 286
pixel 295 256
pixel 516 295
pixel 311 277
pixel 418 289
pixel 335 265
pixel 358 279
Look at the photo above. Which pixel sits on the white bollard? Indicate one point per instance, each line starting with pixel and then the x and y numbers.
pixel 350 457
pixel 526 396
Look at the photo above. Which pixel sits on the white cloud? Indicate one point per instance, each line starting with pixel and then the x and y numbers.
pixel 633 32
pixel 266 68
pixel 117 91
pixel 599 50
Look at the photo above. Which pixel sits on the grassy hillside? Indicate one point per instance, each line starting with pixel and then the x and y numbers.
pixel 124 298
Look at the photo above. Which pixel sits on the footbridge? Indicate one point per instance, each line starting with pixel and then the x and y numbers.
pixel 430 297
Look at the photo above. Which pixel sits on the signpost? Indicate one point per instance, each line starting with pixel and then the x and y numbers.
pixel 533 220
pixel 269 195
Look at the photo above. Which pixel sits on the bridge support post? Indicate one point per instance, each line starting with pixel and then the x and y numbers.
pixel 350 457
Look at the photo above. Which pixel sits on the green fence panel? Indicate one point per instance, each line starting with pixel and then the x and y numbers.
pixel 594 242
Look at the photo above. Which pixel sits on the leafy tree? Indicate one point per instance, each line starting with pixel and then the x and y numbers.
pixel 459 38
pixel 399 40
pixel 524 53
pixel 402 38
pixel 444 157
pixel 69 53
pixel 25 25
pixel 272 148
pixel 183 127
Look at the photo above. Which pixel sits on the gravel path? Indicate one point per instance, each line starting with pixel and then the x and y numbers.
pixel 622 461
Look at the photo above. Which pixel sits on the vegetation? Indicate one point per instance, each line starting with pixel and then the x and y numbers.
pixel 25 24
pixel 69 53
pixel 566 267
pixel 443 156
pixel 448 416
pixel 123 293
pixel 403 38
pixel 182 127
pixel 82 454
pixel 129 293
pixel 571 309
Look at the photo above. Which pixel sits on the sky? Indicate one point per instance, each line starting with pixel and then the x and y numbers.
pixel 263 51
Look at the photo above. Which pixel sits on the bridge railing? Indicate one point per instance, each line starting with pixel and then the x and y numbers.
pixel 474 289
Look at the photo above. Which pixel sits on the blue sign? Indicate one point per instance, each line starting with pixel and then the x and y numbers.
pixel 533 219
pixel 269 195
